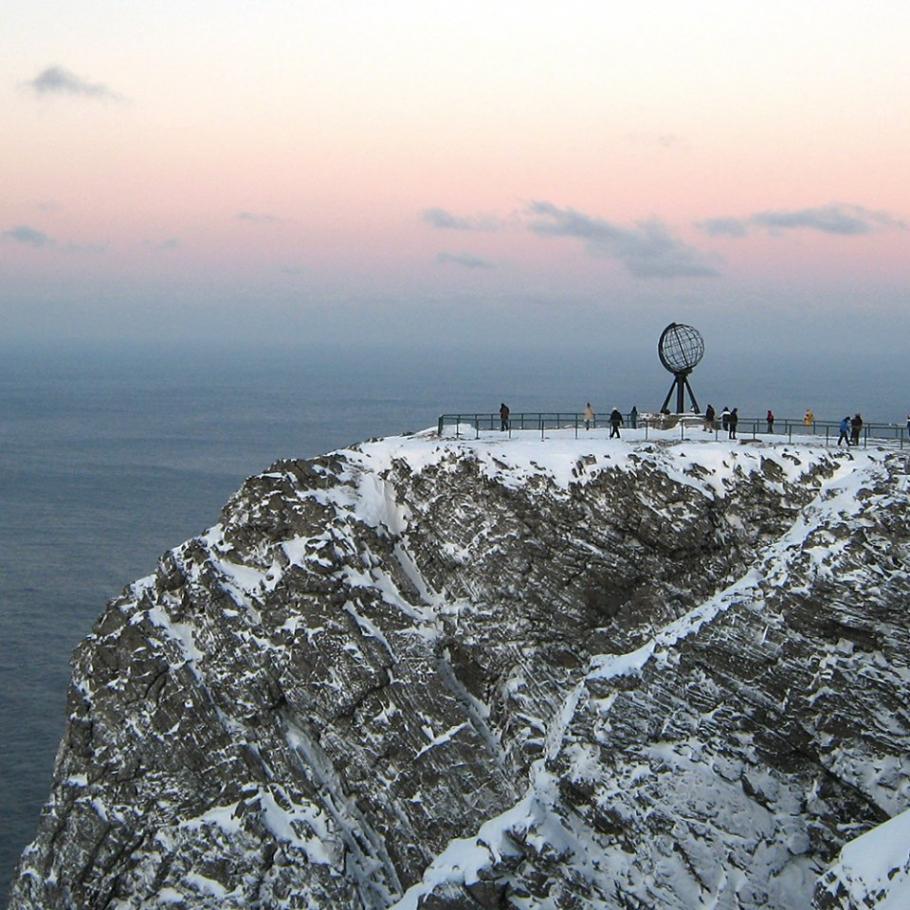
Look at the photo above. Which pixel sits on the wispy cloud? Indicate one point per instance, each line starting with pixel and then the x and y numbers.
pixel 661 140
pixel 84 248
pixel 465 260
pixel 836 218
pixel 55 80
pixel 163 246
pixel 647 250
pixel 27 236
pixel 725 227
pixel 258 218
pixel 446 221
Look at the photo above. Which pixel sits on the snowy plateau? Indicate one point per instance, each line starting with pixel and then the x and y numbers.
pixel 431 673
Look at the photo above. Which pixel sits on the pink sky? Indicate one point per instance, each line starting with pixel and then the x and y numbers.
pixel 295 145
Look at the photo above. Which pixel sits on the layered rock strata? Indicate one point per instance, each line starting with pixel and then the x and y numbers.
pixel 421 673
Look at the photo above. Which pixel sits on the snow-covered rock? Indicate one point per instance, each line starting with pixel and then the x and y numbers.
pixel 425 673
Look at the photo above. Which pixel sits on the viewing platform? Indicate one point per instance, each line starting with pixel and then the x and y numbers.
pixel 646 426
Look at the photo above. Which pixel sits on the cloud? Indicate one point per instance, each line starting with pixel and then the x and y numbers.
pixel 661 140
pixel 443 220
pixel 258 218
pixel 85 248
pixel 724 227
pixel 836 218
pixel 55 80
pixel 164 246
pixel 647 250
pixel 466 260
pixel 28 236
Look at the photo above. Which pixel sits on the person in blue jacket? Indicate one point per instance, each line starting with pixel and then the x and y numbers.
pixel 844 432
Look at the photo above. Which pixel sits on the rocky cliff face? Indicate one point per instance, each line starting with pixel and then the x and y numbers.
pixel 433 674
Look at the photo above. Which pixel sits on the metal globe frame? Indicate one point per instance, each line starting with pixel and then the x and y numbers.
pixel 680 349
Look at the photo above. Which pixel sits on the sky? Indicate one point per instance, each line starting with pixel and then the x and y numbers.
pixel 464 173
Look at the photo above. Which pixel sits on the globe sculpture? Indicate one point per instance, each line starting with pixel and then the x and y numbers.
pixel 680 349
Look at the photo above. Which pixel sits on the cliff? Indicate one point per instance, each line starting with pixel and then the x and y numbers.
pixel 432 674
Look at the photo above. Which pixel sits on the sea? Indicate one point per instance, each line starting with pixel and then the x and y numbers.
pixel 110 454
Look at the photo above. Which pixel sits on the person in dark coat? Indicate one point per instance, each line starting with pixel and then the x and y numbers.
pixel 732 420
pixel 709 418
pixel 770 419
pixel 633 418
pixel 615 423
pixel 844 432
pixel 504 416
pixel 856 426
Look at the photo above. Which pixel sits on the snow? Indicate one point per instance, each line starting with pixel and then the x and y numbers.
pixel 464 857
pixel 564 464
pixel 874 868
pixel 442 738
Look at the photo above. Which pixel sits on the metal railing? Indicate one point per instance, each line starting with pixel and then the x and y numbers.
pixel 692 424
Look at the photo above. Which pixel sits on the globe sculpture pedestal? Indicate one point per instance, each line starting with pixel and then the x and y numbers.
pixel 680 349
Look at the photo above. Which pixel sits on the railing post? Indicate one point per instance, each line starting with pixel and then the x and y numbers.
pixel 439 430
pixel 789 432
pixel 541 427
pixel 576 426
pixel 827 431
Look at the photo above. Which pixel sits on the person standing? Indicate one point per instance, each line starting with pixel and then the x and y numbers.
pixel 732 420
pixel 856 426
pixel 809 418
pixel 770 419
pixel 844 432
pixel 633 418
pixel 725 418
pixel 615 423
pixel 504 416
pixel 709 418
pixel 589 416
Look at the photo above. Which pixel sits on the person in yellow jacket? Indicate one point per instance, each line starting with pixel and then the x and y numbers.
pixel 809 419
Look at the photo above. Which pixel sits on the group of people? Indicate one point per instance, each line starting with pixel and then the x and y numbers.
pixel 616 419
pixel 728 420
pixel 852 426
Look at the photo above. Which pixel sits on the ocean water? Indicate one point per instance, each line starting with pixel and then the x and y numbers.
pixel 108 457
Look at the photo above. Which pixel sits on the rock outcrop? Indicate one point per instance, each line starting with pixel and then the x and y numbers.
pixel 422 673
